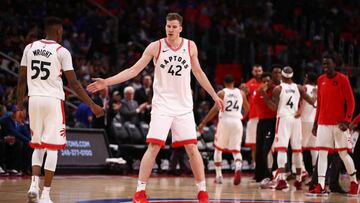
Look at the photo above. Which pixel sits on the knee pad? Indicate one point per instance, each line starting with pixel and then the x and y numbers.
pixel 217 156
pixel 38 157
pixel 281 159
pixel 297 157
pixel 51 160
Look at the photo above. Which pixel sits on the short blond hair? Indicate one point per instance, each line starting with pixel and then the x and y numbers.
pixel 174 16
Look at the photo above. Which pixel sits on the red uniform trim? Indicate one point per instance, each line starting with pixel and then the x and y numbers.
pixel 280 149
pixel 47 146
pixel 277 125
pixel 297 150
pixel 183 143
pixel 155 141
pixel 62 112
pixel 35 145
pixel 59 48
pixel 227 150
pixel 309 148
pixel 46 42
pixel 179 47
pixel 250 144
pixel 158 54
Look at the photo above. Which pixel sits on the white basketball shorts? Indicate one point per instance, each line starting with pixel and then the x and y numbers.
pixel 229 135
pixel 250 134
pixel 288 128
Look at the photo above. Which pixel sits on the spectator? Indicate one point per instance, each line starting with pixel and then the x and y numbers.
pixel 141 94
pixel 115 106
pixel 83 116
pixel 130 109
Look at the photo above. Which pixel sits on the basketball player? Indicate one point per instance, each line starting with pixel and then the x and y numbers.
pixel 42 65
pixel 230 129
pixel 250 89
pixel 307 118
pixel 172 108
pixel 332 122
pixel 285 101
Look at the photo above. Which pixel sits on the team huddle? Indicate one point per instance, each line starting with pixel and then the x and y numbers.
pixel 279 112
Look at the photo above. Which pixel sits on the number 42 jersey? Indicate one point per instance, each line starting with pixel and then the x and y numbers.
pixel 289 99
pixel 45 61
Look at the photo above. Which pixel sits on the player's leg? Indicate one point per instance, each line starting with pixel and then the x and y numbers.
pixel 184 134
pixel 36 122
pixel 297 157
pixel 250 139
pixel 156 137
pixel 217 162
pixel 234 144
pixel 342 145
pixel 53 139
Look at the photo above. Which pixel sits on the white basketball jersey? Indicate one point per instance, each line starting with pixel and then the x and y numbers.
pixel 172 90
pixel 45 60
pixel 233 102
pixel 309 112
pixel 288 100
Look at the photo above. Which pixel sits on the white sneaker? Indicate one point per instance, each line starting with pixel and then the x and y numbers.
pixel 33 194
pixel 45 200
pixel 218 180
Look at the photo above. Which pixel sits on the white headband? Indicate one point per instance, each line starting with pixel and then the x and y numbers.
pixel 286 75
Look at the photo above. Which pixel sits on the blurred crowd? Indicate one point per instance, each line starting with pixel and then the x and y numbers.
pixel 107 36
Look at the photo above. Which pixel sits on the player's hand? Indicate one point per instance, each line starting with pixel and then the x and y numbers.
pixel 245 89
pixel 219 103
pixel 352 126
pixel 343 125
pixel 314 129
pixel 98 85
pixel 297 114
pixel 200 128
pixel 97 110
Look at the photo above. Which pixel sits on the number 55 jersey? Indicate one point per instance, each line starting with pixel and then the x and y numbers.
pixel 45 61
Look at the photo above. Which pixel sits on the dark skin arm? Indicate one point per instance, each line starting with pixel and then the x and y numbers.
pixel 79 90
pixel 273 102
pixel 21 87
pixel 210 115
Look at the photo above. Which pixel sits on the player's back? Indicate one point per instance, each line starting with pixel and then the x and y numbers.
pixel 233 103
pixel 288 100
pixel 44 60
pixel 309 112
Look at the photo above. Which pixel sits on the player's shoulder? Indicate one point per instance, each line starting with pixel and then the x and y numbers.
pixel 321 77
pixel 342 75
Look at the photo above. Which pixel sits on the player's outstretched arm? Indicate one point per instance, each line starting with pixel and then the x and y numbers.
pixel 305 96
pixel 210 115
pixel 149 53
pixel 79 90
pixel 201 77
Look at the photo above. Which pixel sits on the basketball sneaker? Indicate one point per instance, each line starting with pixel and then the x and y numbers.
pixel 282 184
pixel 298 185
pixel 218 180
pixel 33 194
pixel 140 197
pixel 354 189
pixel 317 190
pixel 203 197
pixel 237 177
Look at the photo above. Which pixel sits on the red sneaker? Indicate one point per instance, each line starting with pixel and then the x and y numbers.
pixel 237 177
pixel 298 185
pixel 203 197
pixel 354 189
pixel 316 191
pixel 140 197
pixel 282 184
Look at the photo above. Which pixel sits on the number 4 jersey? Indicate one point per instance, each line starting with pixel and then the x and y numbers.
pixel 172 90
pixel 45 61
pixel 288 100
pixel 233 102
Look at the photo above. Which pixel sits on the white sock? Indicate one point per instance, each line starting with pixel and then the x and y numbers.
pixel 218 171
pixel 237 165
pixel 322 167
pixel 35 181
pixel 45 193
pixel 201 186
pixel 140 186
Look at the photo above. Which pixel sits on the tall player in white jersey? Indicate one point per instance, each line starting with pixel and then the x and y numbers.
pixel 174 58
pixel 308 113
pixel 286 97
pixel 230 128
pixel 42 65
